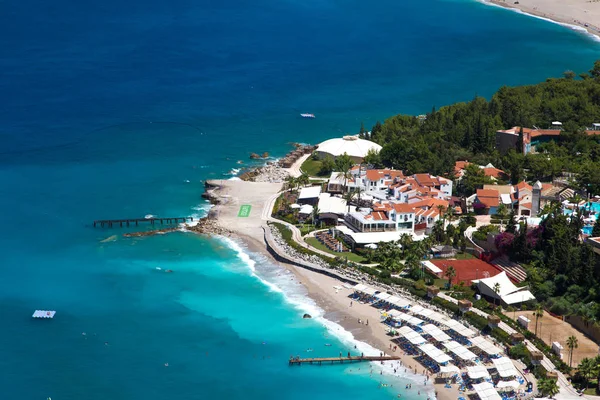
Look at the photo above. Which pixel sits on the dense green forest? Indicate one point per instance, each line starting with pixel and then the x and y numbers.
pixel 467 131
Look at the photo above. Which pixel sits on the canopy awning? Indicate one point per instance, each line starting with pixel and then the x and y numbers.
pixel 409 319
pixel 434 353
pixel 411 335
pixel 460 350
pixel 435 332
pixel 486 391
pixel 508 385
pixel 449 369
pixel 505 367
pixel 382 296
pixel 421 311
pixel 485 345
pixel 459 328
pixel 398 301
pixel 478 372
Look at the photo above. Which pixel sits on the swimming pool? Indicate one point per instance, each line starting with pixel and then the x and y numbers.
pixel 595 207
pixel 587 229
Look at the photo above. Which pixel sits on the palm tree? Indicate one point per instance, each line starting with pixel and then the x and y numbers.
pixel 348 196
pixel 303 179
pixel 290 182
pixel 548 387
pixel 441 209
pixel 405 241
pixel 587 368
pixel 496 290
pixel 572 344
pixel 450 273
pixel 539 312
pixel 315 215
pixel 343 164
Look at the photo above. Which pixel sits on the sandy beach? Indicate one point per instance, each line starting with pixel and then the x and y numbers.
pixel 327 292
pixel 582 13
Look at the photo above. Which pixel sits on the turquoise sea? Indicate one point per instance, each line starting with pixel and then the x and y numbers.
pixel 121 109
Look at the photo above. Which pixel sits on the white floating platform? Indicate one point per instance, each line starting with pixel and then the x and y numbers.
pixel 43 314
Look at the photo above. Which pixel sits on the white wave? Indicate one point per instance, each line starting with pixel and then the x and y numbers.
pixel 577 28
pixel 295 294
pixel 234 178
pixel 234 171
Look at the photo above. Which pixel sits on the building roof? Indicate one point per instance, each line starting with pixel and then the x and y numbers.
pixel 494 172
pixel 404 208
pixel 377 174
pixel 363 238
pixel 351 145
pixel 329 204
pixel 507 291
pixel 488 197
pixel 310 192
pixel 523 185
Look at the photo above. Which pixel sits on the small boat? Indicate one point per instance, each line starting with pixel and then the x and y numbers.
pixel 327 344
pixel 149 216
pixel 169 270
pixel 307 115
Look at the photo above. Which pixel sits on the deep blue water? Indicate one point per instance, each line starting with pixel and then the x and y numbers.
pixel 110 108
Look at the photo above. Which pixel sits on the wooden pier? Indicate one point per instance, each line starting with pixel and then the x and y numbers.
pixel 136 221
pixel 340 360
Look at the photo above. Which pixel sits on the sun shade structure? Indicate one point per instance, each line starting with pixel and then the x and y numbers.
pixel 364 289
pixel 505 367
pixel 459 328
pixel 449 369
pixel 478 372
pixel 485 345
pixel 461 351
pixel 508 385
pixel 411 335
pixel 421 311
pixel 409 319
pixel 382 296
pixel 434 353
pixel 435 333
pixel 508 292
pixel 486 391
pixel 398 301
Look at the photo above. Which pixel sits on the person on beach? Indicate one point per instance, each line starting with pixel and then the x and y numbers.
pixel 350 303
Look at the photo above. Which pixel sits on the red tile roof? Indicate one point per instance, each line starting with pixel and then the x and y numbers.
pixel 379 215
pixel 524 185
pixel 494 173
pixel 488 197
pixel 376 174
pixel 404 208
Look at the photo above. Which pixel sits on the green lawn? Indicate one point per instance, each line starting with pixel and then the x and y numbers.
pixel 351 256
pixel 312 167
pixel 463 256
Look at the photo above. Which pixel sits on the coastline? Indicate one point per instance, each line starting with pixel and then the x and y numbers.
pixel 570 14
pixel 328 293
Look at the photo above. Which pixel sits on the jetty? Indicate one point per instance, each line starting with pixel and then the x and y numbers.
pixel 340 360
pixel 136 221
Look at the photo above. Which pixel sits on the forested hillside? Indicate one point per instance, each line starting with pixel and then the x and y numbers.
pixel 467 131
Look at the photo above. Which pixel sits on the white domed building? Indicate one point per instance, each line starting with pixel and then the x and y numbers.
pixel 355 147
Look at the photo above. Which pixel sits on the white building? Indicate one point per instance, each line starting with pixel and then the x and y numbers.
pixel 353 146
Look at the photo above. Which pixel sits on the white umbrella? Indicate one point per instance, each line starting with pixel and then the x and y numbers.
pixel 371 246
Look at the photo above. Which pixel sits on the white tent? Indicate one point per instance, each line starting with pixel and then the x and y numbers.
pixel 507 293
pixel 508 385
pixel 434 353
pixel 359 287
pixel 505 367
pixel 460 350
pixel 369 290
pixel 437 317
pixel 353 146
pixel 478 372
pixel 398 301
pixel 459 328
pixel 485 345
pixel 329 204
pixel 486 391
pixel 409 319
pixel 421 311
pixel 449 369
pixel 411 335
pixel 435 332
pixel 382 296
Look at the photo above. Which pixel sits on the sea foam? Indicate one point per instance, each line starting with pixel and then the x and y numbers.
pixel 295 294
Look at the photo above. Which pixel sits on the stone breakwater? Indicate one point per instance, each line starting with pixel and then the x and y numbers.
pixel 269 173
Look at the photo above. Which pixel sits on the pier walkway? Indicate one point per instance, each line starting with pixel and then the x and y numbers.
pixel 136 221
pixel 340 360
